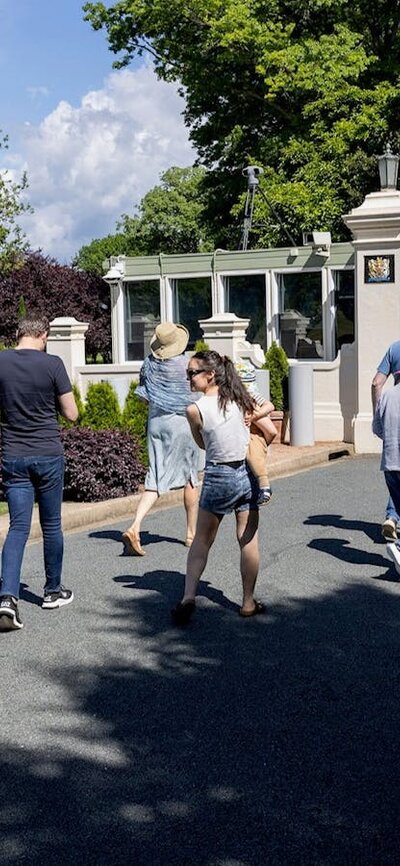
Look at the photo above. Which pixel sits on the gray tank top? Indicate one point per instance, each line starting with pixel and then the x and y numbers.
pixel 225 434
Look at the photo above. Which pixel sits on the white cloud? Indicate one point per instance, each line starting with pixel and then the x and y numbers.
pixel 88 165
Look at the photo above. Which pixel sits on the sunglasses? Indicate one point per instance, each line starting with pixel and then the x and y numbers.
pixel 191 373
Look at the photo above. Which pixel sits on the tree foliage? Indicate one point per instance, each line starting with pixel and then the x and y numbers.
pixel 13 243
pixel 170 216
pixel 91 256
pixel 307 90
pixel 56 290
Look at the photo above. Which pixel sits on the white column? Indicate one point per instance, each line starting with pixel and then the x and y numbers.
pixel 375 226
pixel 166 300
pixel 226 334
pixel 118 323
pixel 67 340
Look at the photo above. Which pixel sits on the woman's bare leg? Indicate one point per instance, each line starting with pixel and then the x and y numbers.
pixel 190 500
pixel 146 501
pixel 247 536
pixel 132 535
pixel 206 530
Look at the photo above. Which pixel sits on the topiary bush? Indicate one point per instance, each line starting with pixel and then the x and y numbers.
pixel 102 410
pixel 277 363
pixel 100 464
pixel 200 346
pixel 134 420
pixel 81 410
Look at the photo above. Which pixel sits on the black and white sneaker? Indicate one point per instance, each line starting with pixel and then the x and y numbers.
pixel 393 552
pixel 9 615
pixel 264 496
pixel 58 599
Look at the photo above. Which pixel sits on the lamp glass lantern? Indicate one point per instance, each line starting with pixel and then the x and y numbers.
pixel 388 169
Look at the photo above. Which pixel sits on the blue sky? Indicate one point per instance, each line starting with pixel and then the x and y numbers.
pixel 91 139
pixel 47 46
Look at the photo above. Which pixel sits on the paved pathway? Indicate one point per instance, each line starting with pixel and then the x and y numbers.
pixel 267 742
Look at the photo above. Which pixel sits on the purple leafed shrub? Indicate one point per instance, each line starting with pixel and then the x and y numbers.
pixel 100 464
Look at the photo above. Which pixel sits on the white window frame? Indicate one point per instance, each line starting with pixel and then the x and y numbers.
pixel 328 323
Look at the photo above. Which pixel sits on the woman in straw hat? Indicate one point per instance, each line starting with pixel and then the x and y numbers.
pixel 173 455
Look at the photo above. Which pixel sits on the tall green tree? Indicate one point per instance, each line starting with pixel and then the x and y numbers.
pixel 91 256
pixel 13 243
pixel 308 90
pixel 169 218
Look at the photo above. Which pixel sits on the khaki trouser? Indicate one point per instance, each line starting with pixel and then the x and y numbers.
pixel 256 456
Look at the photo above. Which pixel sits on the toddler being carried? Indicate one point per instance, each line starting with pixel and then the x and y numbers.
pixel 262 431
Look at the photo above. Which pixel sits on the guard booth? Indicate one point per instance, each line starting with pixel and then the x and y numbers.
pixel 333 306
pixel 302 298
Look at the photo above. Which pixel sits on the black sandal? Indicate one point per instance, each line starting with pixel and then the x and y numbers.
pixel 182 613
pixel 259 607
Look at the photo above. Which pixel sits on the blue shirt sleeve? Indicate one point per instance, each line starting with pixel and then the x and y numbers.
pixel 391 361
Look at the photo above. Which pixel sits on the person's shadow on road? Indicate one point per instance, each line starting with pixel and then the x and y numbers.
pixel 339 547
pixel 372 530
pixel 145 537
pixel 170 585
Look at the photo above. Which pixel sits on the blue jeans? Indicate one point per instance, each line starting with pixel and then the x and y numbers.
pixel 23 478
pixel 391 511
pixel 392 479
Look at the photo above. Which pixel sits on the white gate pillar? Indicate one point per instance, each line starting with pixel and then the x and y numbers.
pixel 67 340
pixel 226 333
pixel 375 227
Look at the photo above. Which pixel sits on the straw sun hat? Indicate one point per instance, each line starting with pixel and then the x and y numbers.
pixel 169 340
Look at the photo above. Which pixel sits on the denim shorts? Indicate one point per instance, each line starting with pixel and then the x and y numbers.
pixel 228 488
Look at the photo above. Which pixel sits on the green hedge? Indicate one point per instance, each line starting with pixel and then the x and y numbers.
pixel 102 410
pixel 277 363
pixel 134 420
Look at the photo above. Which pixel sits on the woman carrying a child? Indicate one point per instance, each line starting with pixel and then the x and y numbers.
pixel 220 422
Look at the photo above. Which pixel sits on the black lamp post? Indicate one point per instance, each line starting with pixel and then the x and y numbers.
pixel 388 169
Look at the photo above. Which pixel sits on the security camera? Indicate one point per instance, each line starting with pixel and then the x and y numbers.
pixel 252 173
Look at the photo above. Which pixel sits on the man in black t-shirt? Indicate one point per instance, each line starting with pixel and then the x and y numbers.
pixel 34 388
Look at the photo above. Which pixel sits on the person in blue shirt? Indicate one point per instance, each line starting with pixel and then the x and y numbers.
pixel 389 365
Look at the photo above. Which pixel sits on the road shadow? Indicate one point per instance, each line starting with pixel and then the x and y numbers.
pixel 343 549
pixel 170 585
pixel 26 594
pixel 372 530
pixel 145 537
pixel 267 742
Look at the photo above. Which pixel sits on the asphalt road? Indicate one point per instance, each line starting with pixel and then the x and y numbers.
pixel 265 742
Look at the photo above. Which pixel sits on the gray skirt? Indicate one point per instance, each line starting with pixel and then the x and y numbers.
pixel 173 453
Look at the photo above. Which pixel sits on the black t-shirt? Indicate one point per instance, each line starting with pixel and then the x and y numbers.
pixel 30 383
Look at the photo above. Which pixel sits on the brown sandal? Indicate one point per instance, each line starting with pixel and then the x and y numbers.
pixel 132 543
